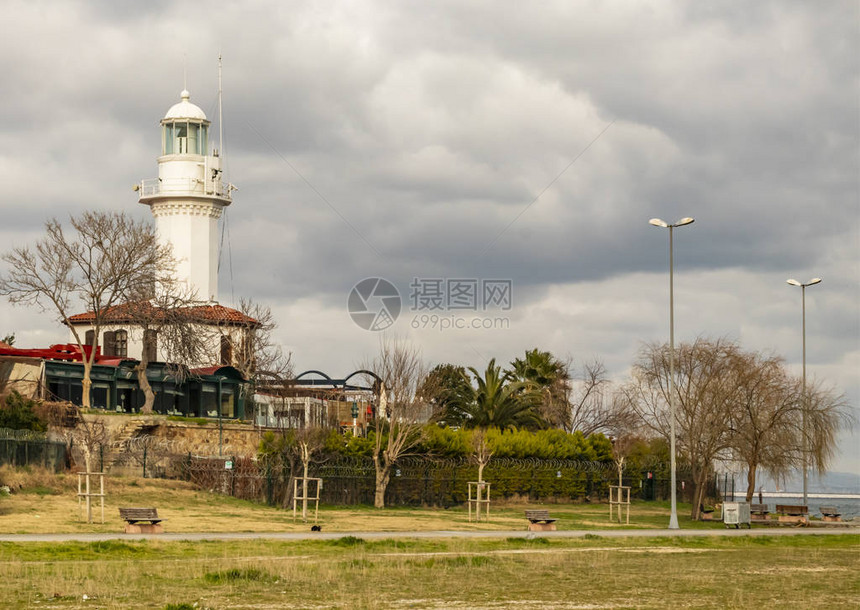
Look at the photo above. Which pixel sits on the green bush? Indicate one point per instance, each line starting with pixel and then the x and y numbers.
pixel 16 413
pixel 442 441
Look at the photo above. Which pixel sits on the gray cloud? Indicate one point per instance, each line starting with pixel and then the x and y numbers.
pixel 418 132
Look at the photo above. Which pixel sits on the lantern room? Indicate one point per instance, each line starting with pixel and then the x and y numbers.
pixel 185 130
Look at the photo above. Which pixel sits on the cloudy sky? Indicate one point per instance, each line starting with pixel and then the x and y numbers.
pixel 528 142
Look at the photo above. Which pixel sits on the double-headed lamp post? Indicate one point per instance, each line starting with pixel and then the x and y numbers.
pixel 673 518
pixel 804 445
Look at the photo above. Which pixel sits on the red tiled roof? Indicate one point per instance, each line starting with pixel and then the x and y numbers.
pixel 125 313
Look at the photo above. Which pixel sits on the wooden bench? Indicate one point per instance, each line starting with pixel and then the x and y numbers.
pixel 793 513
pixel 135 518
pixel 830 513
pixel 759 512
pixel 540 521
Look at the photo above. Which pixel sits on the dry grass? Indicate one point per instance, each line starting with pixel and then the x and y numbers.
pixel 43 502
pixel 716 573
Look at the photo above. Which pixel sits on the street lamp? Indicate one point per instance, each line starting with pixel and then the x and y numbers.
pixel 804 449
pixel 673 518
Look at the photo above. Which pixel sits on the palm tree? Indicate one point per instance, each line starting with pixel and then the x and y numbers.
pixel 550 377
pixel 498 401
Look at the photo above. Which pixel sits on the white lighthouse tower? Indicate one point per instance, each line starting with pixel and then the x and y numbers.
pixel 188 196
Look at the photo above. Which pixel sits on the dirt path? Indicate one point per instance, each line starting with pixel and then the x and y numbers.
pixel 645 533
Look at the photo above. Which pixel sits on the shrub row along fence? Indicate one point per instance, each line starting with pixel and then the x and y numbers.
pixel 419 481
pixel 27 448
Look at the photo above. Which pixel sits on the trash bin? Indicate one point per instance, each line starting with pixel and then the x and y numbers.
pixel 737 514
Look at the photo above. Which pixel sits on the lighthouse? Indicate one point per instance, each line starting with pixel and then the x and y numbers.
pixel 186 200
pixel 188 197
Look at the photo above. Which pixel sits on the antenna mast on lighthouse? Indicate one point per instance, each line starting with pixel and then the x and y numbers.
pixel 220 118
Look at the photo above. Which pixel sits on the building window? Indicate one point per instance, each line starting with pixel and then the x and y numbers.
pixel 150 345
pixel 90 338
pixel 121 345
pixel 226 350
pixel 109 343
pixel 116 343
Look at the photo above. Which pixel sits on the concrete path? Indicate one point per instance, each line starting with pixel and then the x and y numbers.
pixel 625 533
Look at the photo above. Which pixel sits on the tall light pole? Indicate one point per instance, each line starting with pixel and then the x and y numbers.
pixel 804 446
pixel 673 518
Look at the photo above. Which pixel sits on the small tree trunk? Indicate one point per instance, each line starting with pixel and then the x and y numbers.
pixel 699 480
pixel 87 460
pixel 86 384
pixel 381 485
pixel 305 460
pixel 383 474
pixel 751 482
pixel 143 382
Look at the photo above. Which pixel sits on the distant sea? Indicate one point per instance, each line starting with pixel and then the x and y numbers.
pixel 847 504
pixel 839 489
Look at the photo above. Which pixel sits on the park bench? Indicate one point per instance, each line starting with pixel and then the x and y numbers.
pixel 540 521
pixel 793 513
pixel 759 513
pixel 141 520
pixel 830 513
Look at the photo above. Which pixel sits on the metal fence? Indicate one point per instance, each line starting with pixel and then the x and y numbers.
pixel 420 480
pixel 28 448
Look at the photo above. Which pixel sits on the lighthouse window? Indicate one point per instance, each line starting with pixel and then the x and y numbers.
pixel 202 140
pixel 192 139
pixel 180 138
pixel 185 138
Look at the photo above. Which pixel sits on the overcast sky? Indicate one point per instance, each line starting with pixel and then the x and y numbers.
pixel 528 142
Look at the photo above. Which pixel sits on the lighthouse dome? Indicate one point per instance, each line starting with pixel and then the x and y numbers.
pixel 185 109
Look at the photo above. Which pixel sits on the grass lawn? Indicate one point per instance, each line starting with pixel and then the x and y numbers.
pixel 747 572
pixel 590 572
pixel 47 503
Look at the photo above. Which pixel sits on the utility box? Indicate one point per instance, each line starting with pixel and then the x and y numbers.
pixel 737 514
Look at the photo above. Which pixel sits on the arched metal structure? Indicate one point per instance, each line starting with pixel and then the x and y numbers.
pixel 337 384
pixel 312 372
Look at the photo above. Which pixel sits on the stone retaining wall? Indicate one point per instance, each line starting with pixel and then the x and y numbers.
pixel 239 440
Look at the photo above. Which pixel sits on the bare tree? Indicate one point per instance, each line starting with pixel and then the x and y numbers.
pixel 98 266
pixel 88 438
pixel 767 405
pixel 827 412
pixel 259 355
pixel 705 395
pixel 482 451
pixel 401 407
pixel 309 442
pixel 591 409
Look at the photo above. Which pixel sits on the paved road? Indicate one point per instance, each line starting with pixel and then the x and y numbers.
pixel 644 533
